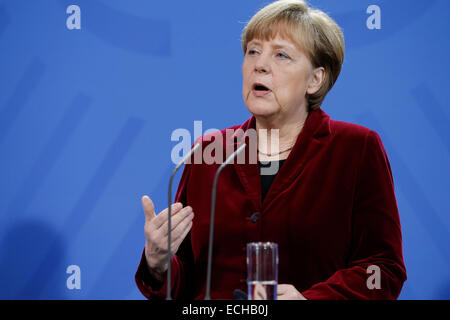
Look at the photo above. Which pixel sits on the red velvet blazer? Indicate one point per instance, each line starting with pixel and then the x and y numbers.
pixel 331 209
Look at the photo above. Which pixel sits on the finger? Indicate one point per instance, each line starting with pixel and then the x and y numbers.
pixel 149 208
pixel 180 239
pixel 184 216
pixel 176 219
pixel 260 292
pixel 282 293
pixel 161 218
pixel 282 288
pixel 179 230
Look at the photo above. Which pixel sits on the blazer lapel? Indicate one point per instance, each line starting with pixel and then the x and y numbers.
pixel 247 172
pixel 310 140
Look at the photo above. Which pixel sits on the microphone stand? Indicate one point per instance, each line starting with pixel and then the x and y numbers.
pixel 169 224
pixel 211 226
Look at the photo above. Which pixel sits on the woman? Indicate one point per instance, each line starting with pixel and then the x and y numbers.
pixel 331 205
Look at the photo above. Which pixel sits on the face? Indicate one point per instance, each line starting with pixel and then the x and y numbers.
pixel 277 75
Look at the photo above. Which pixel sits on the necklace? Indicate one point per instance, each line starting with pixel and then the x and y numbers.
pixel 274 154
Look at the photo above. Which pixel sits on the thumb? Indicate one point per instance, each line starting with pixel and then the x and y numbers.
pixel 149 208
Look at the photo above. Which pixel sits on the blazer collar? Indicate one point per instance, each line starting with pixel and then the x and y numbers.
pixel 310 140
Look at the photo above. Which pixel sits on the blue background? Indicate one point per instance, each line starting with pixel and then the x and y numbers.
pixel 86 118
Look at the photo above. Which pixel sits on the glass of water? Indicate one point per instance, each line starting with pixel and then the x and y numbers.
pixel 262 270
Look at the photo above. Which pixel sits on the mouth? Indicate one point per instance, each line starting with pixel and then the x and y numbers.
pixel 260 90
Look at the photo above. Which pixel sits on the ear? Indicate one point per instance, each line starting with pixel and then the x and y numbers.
pixel 316 80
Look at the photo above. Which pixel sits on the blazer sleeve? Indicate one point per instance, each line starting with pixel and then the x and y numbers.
pixel 376 238
pixel 181 262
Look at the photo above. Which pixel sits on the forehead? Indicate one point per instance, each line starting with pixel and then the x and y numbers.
pixel 277 28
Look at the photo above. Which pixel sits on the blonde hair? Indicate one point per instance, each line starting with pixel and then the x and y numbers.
pixel 312 30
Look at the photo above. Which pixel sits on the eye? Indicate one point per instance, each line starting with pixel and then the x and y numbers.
pixel 251 52
pixel 282 55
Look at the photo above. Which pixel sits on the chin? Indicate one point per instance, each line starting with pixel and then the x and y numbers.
pixel 261 109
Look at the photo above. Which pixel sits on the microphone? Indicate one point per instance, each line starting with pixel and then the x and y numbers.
pixel 169 224
pixel 211 226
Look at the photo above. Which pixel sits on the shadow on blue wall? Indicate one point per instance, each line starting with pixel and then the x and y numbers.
pixel 22 249
pixel 443 293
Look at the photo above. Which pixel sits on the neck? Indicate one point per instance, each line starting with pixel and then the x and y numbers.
pixel 289 127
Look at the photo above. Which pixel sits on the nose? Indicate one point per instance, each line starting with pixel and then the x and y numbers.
pixel 262 65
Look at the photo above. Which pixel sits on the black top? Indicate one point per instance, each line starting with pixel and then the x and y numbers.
pixel 267 179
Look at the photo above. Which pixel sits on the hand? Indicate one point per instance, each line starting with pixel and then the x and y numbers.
pixel 288 292
pixel 156 234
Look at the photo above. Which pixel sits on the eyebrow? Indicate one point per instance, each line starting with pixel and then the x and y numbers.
pixel 276 45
